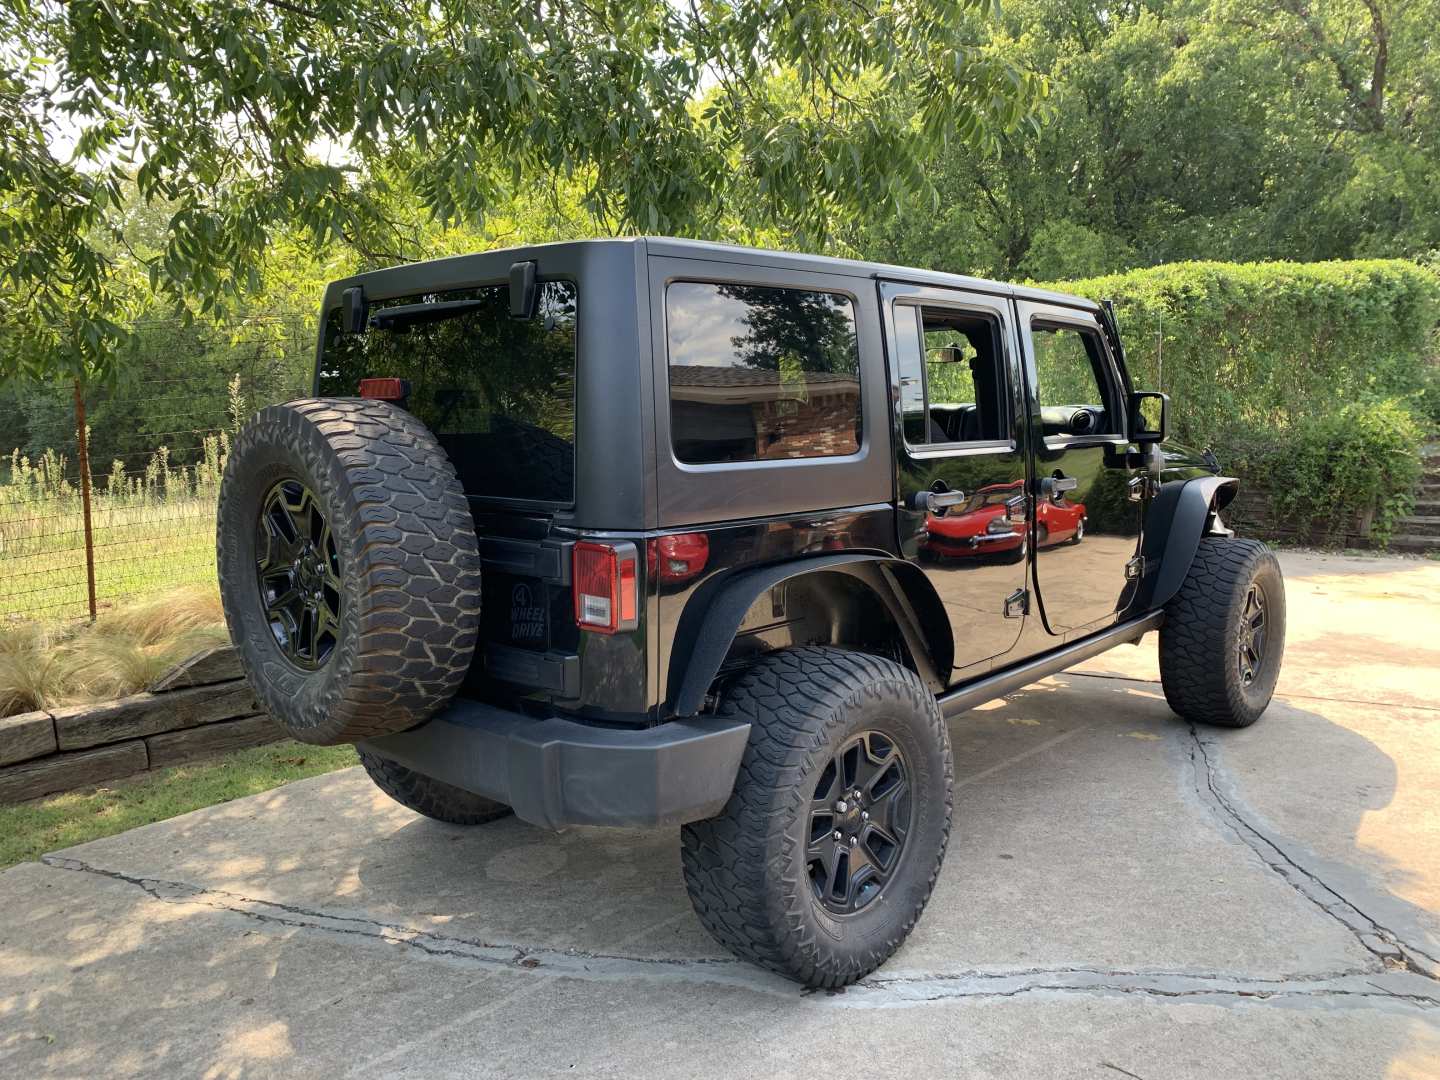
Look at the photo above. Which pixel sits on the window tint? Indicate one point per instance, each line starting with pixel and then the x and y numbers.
pixel 1070 366
pixel 499 393
pixel 952 376
pixel 759 373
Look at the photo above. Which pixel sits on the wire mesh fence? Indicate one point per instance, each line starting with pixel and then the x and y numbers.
pixel 157 443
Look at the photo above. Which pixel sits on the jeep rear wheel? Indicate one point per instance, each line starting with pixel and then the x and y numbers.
pixel 1224 634
pixel 826 853
pixel 426 795
pixel 349 568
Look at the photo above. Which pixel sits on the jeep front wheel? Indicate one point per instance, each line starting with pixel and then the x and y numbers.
pixel 349 568
pixel 823 859
pixel 1224 634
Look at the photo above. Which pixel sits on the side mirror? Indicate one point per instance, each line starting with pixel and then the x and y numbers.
pixel 1149 416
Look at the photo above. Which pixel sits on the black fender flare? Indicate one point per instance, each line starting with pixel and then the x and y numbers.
pixel 712 617
pixel 1179 515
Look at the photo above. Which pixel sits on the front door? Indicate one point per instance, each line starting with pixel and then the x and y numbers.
pixel 955 375
pixel 1090 484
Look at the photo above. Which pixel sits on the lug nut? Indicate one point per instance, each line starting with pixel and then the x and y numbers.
pixel 864 815
pixel 837 835
pixel 841 806
pixel 854 840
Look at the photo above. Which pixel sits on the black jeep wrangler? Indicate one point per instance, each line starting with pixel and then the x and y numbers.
pixel 658 532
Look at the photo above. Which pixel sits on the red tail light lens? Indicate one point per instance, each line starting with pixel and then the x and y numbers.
pixel 384 389
pixel 605 587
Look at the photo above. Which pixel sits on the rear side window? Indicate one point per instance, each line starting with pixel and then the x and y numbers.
pixel 952 376
pixel 760 373
pixel 498 393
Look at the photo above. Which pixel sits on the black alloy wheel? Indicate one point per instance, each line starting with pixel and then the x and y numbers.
pixel 1250 635
pixel 297 568
pixel 1223 638
pixel 860 815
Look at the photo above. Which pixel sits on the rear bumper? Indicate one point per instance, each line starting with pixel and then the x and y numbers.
pixel 556 772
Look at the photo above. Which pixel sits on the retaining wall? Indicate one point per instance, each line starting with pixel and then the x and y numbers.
pixel 204 706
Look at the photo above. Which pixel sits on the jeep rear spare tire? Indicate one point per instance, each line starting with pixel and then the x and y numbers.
pixel 349 568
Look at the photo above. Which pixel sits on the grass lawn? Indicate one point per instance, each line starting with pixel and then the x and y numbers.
pixel 28 830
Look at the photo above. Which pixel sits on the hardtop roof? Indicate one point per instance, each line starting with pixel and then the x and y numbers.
pixel 677 248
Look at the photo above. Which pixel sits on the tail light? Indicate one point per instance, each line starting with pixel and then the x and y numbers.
pixel 605 586
pixel 678 556
pixel 385 389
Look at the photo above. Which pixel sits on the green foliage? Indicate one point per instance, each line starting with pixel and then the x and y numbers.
pixel 1328 472
pixel 1311 381
pixel 1260 346
pixel 245 118
pixel 1193 129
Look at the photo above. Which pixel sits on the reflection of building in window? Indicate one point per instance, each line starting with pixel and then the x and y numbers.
pixel 734 413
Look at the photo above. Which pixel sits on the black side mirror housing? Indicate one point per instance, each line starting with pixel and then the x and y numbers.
pixel 1149 416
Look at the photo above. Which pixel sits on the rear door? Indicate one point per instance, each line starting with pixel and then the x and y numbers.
pixel 1090 485
pixel 954 377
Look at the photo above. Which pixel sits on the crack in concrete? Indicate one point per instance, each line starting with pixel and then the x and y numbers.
pixel 1404 989
pixel 1365 929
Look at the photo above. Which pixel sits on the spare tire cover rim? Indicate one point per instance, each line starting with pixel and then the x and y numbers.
pixel 297 569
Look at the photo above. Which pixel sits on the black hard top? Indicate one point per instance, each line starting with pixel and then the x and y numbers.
pixel 396 279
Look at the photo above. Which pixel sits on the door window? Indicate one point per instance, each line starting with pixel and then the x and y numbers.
pixel 1071 366
pixel 952 384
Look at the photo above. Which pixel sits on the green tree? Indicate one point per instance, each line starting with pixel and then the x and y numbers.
pixel 243 117
pixel 1194 129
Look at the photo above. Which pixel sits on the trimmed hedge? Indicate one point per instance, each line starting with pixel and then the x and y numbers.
pixel 1314 381
pixel 1261 345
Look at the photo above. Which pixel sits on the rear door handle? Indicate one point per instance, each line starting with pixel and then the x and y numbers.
pixel 1055 485
pixel 936 500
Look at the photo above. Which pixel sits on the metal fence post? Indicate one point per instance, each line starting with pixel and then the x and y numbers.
pixel 82 441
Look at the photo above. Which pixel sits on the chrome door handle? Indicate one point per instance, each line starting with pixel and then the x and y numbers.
pixel 1015 510
pixel 1055 485
pixel 936 500
pixel 1135 489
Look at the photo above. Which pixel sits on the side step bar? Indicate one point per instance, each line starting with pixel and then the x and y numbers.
pixel 1011 679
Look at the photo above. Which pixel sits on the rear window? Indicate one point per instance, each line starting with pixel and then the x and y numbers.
pixel 499 393
pixel 760 373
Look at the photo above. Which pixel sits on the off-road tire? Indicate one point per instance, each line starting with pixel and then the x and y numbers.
pixel 1200 635
pixel 428 796
pixel 409 567
pixel 745 869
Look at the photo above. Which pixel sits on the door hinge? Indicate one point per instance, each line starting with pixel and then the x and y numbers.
pixel 1135 568
pixel 1017 604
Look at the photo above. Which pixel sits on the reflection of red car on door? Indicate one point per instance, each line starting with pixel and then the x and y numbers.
pixel 1058 521
pixel 981 527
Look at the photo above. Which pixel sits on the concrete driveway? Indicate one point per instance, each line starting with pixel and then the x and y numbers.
pixel 1124 897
